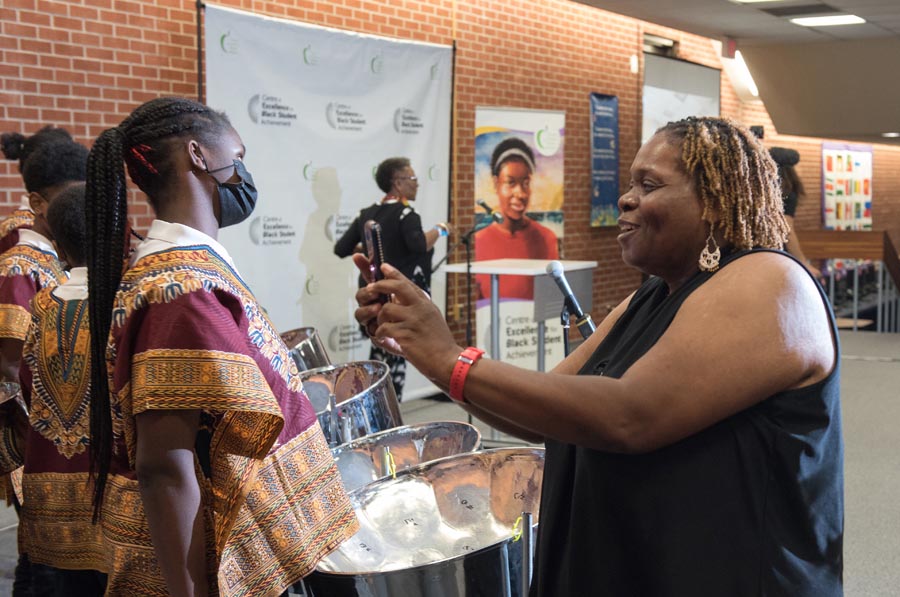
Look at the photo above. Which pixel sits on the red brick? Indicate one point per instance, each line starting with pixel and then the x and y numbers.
pixel 84 12
pixel 68 50
pixel 98 27
pixel 68 23
pixel 117 94
pixel 19 30
pixel 11 57
pixel 113 41
pixel 116 68
pixel 71 103
pixel 146 23
pixel 85 39
pixel 99 54
pixel 100 80
pixel 158 12
pixel 143 47
pixel 68 76
pixel 55 89
pixel 32 18
pixel 112 16
pixel 56 62
pixel 86 65
pixel 127 32
pixel 22 113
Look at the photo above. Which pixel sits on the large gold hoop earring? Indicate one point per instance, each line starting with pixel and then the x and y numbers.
pixel 709 259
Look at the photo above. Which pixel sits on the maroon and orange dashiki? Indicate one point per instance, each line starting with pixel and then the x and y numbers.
pixel 188 334
pixel 55 520
pixel 24 270
pixel 21 218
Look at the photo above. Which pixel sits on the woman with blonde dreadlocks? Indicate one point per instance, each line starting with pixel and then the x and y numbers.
pixel 694 440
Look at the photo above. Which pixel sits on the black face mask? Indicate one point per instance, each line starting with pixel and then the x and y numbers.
pixel 236 199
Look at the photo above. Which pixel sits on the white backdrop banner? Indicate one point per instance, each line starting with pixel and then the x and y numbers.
pixel 318 109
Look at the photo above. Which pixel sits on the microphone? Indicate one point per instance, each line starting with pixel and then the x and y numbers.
pixel 495 215
pixel 582 321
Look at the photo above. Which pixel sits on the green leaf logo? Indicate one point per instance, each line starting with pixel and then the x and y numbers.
pixel 309 57
pixel 228 43
pixel 376 64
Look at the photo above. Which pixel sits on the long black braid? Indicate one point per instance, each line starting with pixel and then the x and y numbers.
pixel 144 142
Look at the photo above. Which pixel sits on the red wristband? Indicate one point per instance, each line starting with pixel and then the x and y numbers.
pixel 464 362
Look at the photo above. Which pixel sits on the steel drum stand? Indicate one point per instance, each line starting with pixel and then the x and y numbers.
pixel 527 552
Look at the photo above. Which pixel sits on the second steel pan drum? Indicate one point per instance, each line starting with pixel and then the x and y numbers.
pixel 352 400
pixel 441 529
pixel 306 348
pixel 381 454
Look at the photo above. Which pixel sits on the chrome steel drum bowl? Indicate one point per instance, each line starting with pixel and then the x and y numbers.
pixel 306 348
pixel 443 528
pixel 372 457
pixel 352 400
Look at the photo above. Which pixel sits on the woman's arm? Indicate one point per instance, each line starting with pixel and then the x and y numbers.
pixel 568 366
pixel 729 347
pixel 171 495
pixel 349 241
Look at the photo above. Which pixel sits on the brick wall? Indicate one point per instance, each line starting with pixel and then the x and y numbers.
pixel 85 64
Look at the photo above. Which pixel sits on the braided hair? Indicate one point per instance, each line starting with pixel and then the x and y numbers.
pixel 735 179
pixel 145 142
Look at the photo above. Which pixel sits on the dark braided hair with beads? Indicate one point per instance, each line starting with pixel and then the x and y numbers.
pixel 144 142
pixel 735 179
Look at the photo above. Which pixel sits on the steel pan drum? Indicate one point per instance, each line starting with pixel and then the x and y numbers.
pixel 352 400
pixel 441 529
pixel 306 348
pixel 371 457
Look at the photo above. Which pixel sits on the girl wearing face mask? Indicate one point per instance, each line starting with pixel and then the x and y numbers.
pixel 198 408
pixel 515 235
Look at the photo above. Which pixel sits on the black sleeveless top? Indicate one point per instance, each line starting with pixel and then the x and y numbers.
pixel 750 506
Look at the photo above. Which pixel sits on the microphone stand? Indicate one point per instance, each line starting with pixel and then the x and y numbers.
pixel 564 317
pixel 466 241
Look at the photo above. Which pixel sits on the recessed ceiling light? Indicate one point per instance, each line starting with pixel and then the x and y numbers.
pixel 828 21
pixel 754 1
pixel 890 135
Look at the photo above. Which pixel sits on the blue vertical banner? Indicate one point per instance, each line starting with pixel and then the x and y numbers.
pixel 604 159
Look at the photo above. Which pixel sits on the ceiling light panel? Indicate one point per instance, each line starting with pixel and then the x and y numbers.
pixel 828 21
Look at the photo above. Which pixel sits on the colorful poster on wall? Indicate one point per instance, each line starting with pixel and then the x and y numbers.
pixel 847 186
pixel 518 176
pixel 604 160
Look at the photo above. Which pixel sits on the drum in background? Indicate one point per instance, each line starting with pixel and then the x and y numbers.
pixel 383 454
pixel 444 528
pixel 352 400
pixel 306 348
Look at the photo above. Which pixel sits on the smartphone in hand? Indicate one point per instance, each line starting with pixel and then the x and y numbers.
pixel 375 251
